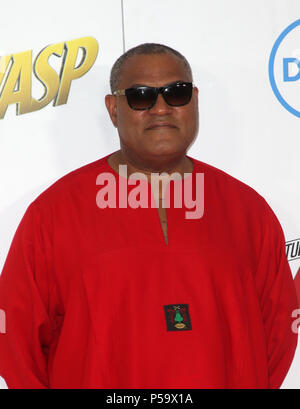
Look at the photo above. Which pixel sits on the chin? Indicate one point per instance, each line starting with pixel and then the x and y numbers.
pixel 165 150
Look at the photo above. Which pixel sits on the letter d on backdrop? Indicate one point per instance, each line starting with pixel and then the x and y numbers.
pixel 286 76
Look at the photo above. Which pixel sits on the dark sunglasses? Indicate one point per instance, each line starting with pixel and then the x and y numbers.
pixel 140 98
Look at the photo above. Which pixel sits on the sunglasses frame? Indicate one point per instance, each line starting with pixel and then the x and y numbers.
pixel 158 90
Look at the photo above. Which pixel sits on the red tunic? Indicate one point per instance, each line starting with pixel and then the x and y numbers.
pixel 90 294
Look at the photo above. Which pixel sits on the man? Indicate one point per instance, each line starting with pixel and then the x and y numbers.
pixel 143 297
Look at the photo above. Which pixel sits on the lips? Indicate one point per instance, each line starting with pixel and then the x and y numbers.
pixel 159 125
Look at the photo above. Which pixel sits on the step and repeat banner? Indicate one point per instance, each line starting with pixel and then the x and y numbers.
pixel 54 74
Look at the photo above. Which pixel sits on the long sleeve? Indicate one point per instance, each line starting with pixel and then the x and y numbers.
pixel 24 301
pixel 278 299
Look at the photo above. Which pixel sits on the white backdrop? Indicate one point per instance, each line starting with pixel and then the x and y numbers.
pixel 244 129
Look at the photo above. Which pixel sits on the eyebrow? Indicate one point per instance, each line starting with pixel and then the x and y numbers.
pixel 143 85
pixel 138 85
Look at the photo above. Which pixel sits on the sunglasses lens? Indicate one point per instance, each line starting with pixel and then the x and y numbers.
pixel 178 94
pixel 140 98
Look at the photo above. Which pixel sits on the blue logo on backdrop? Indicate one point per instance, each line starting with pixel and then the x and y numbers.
pixel 282 85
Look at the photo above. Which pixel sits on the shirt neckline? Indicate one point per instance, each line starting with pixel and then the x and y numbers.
pixel 190 174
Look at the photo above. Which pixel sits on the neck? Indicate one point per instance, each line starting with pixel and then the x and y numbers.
pixel 181 165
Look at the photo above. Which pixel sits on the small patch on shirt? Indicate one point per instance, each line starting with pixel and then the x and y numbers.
pixel 177 317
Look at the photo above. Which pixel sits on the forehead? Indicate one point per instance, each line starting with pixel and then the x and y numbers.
pixel 153 69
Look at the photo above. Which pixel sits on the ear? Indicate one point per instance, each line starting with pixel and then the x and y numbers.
pixel 196 92
pixel 111 105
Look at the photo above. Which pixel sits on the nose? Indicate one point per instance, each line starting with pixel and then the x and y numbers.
pixel 160 107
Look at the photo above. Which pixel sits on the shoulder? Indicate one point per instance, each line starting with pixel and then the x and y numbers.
pixel 77 182
pixel 245 211
pixel 227 187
